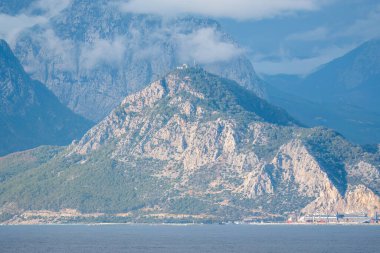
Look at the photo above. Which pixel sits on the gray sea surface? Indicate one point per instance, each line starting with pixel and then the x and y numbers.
pixel 191 238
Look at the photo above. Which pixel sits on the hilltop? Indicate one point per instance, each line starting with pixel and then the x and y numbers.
pixel 194 146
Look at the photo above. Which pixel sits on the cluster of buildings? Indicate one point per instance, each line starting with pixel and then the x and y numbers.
pixel 335 218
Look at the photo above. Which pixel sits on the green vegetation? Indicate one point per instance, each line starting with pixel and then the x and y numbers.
pixel 100 183
pixel 17 163
pixel 334 154
pixel 227 96
pixel 114 178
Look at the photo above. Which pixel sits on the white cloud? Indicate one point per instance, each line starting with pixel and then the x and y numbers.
pixel 236 9
pixel 319 33
pixel 11 26
pixel 352 35
pixel 292 66
pixel 364 28
pixel 206 46
pixel 59 51
pixel 62 51
pixel 103 51
pixel 299 66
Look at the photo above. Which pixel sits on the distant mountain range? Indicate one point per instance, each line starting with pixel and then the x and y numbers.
pixel 92 54
pixel 191 147
pixel 342 94
pixel 30 115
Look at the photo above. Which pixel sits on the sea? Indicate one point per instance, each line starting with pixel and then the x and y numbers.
pixel 190 238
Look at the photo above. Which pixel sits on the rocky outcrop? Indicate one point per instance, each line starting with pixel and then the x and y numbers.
pixel 162 122
pixel 358 199
pixel 196 146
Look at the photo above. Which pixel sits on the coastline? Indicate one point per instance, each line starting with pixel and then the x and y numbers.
pixel 191 224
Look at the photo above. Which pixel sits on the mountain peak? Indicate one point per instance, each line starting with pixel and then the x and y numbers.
pixel 198 144
pixel 7 58
pixel 190 96
pixel 223 95
pixel 341 94
pixel 30 114
pixel 133 54
pixel 3 46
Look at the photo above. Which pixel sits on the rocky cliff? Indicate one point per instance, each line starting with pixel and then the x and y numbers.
pixel 196 146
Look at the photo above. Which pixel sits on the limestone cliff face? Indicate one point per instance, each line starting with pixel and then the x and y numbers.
pixel 206 151
pixel 358 199
pixel 365 172
pixel 295 167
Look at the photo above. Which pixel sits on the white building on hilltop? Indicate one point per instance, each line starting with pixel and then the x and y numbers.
pixel 184 66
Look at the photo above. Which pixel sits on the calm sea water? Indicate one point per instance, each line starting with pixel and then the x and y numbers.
pixel 197 238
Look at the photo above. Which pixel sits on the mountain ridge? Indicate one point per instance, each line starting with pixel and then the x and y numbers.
pixel 30 114
pixel 91 66
pixel 176 151
pixel 341 94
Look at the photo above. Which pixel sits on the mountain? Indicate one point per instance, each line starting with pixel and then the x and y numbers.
pixel 30 115
pixel 14 7
pixel 191 147
pixel 92 54
pixel 342 94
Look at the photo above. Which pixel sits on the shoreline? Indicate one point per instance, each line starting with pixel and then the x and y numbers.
pixel 192 224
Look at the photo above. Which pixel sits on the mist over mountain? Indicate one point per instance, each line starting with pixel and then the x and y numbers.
pixel 192 146
pixel 342 94
pixel 92 54
pixel 30 114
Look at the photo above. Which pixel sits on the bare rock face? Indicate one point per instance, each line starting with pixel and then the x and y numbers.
pixel 358 199
pixel 196 146
pixel 366 172
pixel 206 151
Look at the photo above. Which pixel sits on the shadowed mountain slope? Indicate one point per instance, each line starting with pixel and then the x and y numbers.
pixel 30 115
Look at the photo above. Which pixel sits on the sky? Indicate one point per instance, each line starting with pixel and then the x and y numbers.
pixel 300 42
pixel 283 36
pixel 279 36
